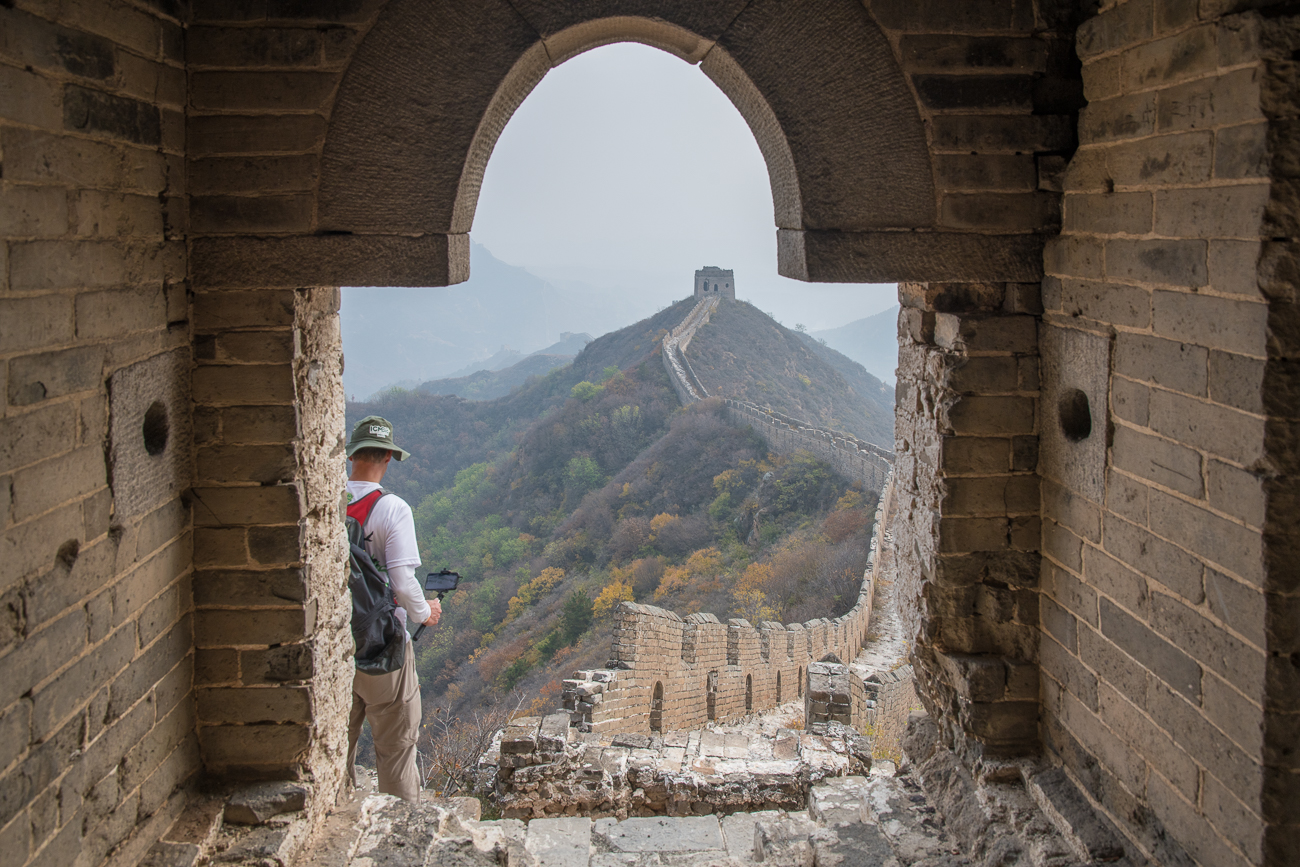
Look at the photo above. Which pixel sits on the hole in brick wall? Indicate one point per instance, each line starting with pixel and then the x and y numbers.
pixel 749 692
pixel 657 708
pixel 1075 415
pixel 778 687
pixel 68 553
pixel 155 428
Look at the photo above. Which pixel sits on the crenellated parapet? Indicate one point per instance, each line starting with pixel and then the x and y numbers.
pixel 672 673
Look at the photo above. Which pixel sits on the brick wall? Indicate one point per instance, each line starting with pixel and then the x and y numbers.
pixel 1158 692
pixel 96 715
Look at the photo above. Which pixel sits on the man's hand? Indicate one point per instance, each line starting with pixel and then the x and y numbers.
pixel 435 613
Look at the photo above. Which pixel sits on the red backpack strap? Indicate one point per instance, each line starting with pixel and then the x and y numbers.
pixel 361 509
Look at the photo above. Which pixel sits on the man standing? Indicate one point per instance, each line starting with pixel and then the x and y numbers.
pixel 390 701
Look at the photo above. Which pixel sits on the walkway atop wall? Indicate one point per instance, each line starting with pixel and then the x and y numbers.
pixel 873 821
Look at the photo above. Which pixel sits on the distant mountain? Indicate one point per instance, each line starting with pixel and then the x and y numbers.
pixel 491 384
pixel 745 354
pixel 871 342
pixel 396 336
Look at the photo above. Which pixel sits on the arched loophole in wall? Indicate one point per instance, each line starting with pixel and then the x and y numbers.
pixel 749 693
pixel 778 687
pixel 657 708
pixel 800 681
pixel 711 695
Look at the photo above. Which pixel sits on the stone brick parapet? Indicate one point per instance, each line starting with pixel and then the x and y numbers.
pixel 670 672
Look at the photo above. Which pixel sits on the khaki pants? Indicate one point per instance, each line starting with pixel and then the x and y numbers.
pixel 392 704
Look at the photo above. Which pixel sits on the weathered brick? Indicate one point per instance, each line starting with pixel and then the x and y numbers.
pixel 1071 593
pixel 1116 580
pixel 254 745
pixel 1238 492
pixel 264 464
pixel 152 577
pixel 271 587
pixel 1215 212
pixel 33 212
pixel 261 424
pixel 261 91
pixel 216 385
pixel 1237 381
pixel 274 546
pixel 31 41
pixel 232 627
pixel 932 16
pixel 987 134
pixel 34 378
pixel 1161 461
pixel 975 455
pixel 1108 214
pixel 1101 743
pixel 986 375
pixel 1156 747
pixel 39 157
pixel 1219 323
pixel 290 662
pixel 261 46
pixel 115 215
pixel 1014 334
pixel 35 322
pixel 1208 643
pixel 1009 211
pixel 1117 27
pixel 1179 366
pixel 262 174
pixel 1112 665
pixel 1154 557
pixel 1207 426
pixel 234 134
pixel 119 312
pixel 216 666
pixel 1183 158
pixel 248 505
pixel 254 347
pixel 1191 731
pixel 1123 117
pixel 1235 548
pixel 1175 58
pixel 990 415
pixel 1232 98
pixel 1101 78
pixel 46 485
pixel 1237 822
pixel 220 311
pixel 1180 263
pixel 117 117
pixel 1004 172
pixel 1160 657
pixel 1074 257
pixel 1238 717
pixel 54 701
pixel 1062 545
pixel 1061 625
pixel 1233 267
pixel 1241 152
pixel 1106 302
pixel 1001 495
pixel 1071 510
pixel 149 668
pixel 270 213
pixel 38 265
pixel 220 547
pixel 258 705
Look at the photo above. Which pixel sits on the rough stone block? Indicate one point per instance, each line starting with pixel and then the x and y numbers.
pixel 118 117
pixel 1180 366
pixel 1108 214
pixel 149 455
pixel 36 378
pixel 1159 460
pixel 1163 659
pixel 40 157
pixel 261 91
pixel 278 704
pixel 1179 263
pixel 235 134
pixel 1123 117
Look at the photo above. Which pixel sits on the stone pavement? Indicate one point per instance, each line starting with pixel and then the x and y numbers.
pixel 880 820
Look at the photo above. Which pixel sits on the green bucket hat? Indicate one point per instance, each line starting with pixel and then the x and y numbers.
pixel 375 432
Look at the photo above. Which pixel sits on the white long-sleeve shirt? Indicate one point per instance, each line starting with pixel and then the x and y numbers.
pixel 391 542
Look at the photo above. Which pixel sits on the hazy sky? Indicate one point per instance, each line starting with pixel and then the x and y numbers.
pixel 629 163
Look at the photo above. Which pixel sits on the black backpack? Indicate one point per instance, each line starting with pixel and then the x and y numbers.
pixel 381 644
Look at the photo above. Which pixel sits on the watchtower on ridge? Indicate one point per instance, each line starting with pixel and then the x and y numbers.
pixel 715 281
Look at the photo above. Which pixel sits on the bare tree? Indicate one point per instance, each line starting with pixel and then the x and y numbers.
pixel 452 745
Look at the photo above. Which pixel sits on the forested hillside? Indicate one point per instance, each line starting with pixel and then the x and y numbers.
pixel 743 353
pixel 591 485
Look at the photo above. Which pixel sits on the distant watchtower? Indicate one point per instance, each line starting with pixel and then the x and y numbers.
pixel 715 281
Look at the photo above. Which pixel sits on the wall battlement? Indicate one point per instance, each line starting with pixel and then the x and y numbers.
pixel 670 673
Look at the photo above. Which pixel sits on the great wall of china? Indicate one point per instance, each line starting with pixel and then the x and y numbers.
pixel 672 674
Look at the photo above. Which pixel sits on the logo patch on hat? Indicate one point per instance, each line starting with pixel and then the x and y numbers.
pixel 380 431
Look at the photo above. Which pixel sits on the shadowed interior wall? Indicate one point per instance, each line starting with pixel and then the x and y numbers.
pixel 97 736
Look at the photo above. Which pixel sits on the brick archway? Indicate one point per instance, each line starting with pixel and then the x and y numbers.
pixel 409 141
